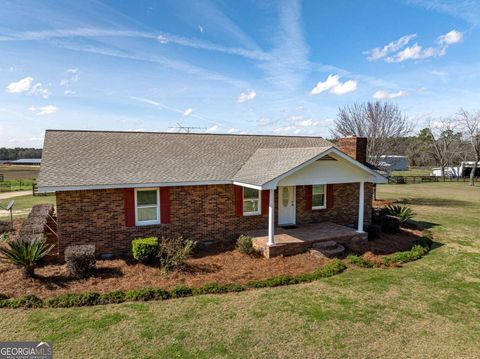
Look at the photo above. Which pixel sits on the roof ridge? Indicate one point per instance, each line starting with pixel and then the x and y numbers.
pixel 191 133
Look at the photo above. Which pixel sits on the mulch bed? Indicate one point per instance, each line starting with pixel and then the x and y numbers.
pixel 220 265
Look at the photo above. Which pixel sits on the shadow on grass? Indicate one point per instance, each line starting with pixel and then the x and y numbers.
pixel 420 225
pixel 434 202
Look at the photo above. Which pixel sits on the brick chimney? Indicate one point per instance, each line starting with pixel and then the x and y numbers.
pixel 355 147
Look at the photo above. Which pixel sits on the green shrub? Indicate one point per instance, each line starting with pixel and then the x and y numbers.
pixel 245 244
pixel 173 253
pixel 116 296
pixel 213 288
pixel 80 260
pixel 145 249
pixel 181 291
pixel 413 254
pixel 360 261
pixel 146 294
pixel 26 254
pixel 28 301
pixel 332 267
pixel 402 212
pixel 74 300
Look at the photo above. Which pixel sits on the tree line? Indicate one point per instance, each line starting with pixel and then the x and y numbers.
pixel 11 154
pixel 443 142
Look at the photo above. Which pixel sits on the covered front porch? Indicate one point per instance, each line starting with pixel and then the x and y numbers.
pixel 291 241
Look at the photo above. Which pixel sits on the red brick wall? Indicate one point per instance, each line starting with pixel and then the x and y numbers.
pixel 197 212
pixel 355 147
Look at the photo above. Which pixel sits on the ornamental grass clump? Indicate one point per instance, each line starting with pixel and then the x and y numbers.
pixel 26 254
pixel 402 212
pixel 245 244
pixel 174 252
pixel 80 260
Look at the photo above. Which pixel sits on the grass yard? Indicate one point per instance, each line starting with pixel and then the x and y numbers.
pixel 413 172
pixel 11 172
pixel 426 309
pixel 23 205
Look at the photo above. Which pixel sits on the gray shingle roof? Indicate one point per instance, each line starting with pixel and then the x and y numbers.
pixel 95 158
pixel 266 164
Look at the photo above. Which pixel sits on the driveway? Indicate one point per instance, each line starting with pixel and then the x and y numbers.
pixel 7 195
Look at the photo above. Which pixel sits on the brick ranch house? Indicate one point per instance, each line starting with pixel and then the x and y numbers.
pixel 112 187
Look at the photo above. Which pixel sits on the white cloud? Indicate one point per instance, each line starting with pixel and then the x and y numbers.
pixel 201 29
pixel 73 71
pixel 398 51
pixel 188 112
pixel 39 90
pixel 69 92
pixel 381 95
pixel 378 53
pixel 333 84
pixel 233 130
pixel 246 96
pixel 32 108
pixel 265 121
pixel 450 38
pixel 47 110
pixel 214 128
pixel 22 85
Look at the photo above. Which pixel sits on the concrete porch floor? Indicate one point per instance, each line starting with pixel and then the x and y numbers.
pixel 299 240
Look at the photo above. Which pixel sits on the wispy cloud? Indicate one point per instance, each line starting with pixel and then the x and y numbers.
pixel 467 10
pixel 187 112
pixel 398 51
pixel 382 95
pixel 394 46
pixel 334 85
pixel 246 96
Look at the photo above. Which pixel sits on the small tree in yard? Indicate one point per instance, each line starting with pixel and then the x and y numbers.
pixel 26 254
pixel 471 124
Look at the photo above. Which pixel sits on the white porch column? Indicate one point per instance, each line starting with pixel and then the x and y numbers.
pixel 271 218
pixel 361 205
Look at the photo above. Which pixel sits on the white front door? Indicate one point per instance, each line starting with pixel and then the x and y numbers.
pixel 286 205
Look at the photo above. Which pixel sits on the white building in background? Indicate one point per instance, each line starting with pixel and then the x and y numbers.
pixel 391 163
pixel 449 171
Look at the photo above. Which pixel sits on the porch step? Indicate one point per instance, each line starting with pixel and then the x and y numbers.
pixel 327 249
pixel 325 245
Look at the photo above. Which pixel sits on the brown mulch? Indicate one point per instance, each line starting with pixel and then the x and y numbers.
pixel 229 266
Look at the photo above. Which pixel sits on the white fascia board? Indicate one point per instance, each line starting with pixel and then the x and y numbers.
pixel 49 189
pixel 374 176
pixel 247 185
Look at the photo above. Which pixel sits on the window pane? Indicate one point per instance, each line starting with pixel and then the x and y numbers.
pixel 250 193
pixel 147 214
pixel 318 200
pixel 146 198
pixel 318 189
pixel 250 206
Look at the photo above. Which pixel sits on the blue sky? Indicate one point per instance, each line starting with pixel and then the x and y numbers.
pixel 276 67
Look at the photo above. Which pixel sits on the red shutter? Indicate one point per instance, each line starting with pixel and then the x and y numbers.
pixel 129 207
pixel 308 197
pixel 265 201
pixel 164 205
pixel 238 201
pixel 330 190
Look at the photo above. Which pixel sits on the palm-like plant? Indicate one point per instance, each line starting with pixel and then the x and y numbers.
pixel 26 254
pixel 402 212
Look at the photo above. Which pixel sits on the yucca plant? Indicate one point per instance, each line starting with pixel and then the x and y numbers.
pixel 402 212
pixel 26 254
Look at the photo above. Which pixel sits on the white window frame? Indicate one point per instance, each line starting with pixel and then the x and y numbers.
pixel 255 213
pixel 147 223
pixel 324 197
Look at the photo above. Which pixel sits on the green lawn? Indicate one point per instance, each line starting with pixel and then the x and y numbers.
pixel 413 172
pixel 23 204
pixel 426 309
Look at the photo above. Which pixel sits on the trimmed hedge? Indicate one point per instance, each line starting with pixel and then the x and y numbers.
pixel 145 249
pixel 413 254
pixel 360 261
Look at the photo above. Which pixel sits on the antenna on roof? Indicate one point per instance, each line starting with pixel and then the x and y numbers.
pixel 186 129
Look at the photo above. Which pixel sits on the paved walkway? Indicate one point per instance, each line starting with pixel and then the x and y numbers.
pixel 7 195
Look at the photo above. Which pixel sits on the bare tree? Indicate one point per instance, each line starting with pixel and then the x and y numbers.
pixel 471 125
pixel 443 141
pixel 379 121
